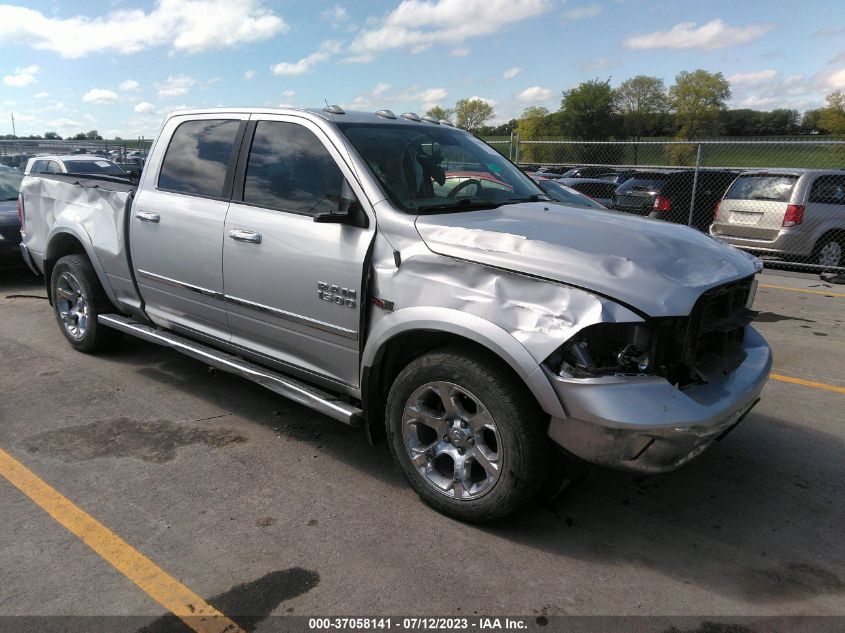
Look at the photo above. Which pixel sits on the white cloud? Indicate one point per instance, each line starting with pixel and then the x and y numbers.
pixel 143 107
pixel 535 94
pixel 461 51
pixel 326 50
pixel 176 85
pixel 41 95
pixel 756 78
pixel 714 34
pixel 834 80
pixel 288 94
pixel 580 13
pixel 489 102
pixel 338 18
pixel 100 95
pixel 22 76
pixel 510 73
pixel 130 85
pixel 597 64
pixel 188 26
pixel 417 24
pixel 428 95
pixel 249 74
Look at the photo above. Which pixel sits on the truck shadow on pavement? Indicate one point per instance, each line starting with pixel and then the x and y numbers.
pixel 757 518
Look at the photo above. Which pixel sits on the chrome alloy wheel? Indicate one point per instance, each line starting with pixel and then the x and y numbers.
pixel 71 305
pixel 452 440
pixel 831 254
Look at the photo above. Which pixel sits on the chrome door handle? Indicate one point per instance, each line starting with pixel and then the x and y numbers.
pixel 241 235
pixel 148 216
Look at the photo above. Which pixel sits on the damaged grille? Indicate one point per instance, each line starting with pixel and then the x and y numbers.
pixel 708 342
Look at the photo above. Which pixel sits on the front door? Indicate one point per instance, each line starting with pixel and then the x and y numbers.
pixel 293 287
pixel 176 228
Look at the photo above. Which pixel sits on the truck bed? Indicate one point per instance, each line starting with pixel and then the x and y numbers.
pixel 94 210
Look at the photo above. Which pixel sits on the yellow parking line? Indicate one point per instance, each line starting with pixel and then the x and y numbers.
pixel 157 583
pixel 811 292
pixel 807 383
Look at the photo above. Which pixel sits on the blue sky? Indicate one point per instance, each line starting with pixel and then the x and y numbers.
pixel 121 66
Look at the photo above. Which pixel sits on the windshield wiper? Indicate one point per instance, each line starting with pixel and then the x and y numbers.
pixel 460 205
pixel 537 197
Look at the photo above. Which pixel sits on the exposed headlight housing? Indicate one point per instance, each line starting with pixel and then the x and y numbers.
pixel 606 348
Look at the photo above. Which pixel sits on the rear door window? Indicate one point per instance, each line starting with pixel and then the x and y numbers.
pixel 290 169
pixel 198 157
pixel 39 167
pixel 828 189
pixel 773 187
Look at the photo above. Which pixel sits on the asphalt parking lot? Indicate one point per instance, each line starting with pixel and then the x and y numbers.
pixel 262 507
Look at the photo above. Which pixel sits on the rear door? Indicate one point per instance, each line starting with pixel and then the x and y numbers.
pixel 176 230
pixel 294 286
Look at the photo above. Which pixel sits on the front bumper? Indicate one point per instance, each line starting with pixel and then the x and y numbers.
pixel 644 424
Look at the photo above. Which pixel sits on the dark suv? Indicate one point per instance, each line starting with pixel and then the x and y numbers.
pixel 667 194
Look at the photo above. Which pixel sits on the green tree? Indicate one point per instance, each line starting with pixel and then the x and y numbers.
pixel 93 135
pixel 471 114
pixel 532 126
pixel 810 122
pixel 439 113
pixel 832 118
pixel 53 136
pixel 698 98
pixel 80 137
pixel 587 112
pixel 640 101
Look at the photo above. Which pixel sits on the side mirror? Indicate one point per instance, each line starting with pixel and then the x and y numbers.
pixel 349 210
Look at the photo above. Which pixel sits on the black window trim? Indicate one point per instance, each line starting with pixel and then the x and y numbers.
pixel 230 166
pixel 243 162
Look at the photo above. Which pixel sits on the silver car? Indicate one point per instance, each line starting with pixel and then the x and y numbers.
pixel 791 214
pixel 73 164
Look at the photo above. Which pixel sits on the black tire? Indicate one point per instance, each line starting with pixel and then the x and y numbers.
pixel 76 274
pixel 521 447
pixel 820 255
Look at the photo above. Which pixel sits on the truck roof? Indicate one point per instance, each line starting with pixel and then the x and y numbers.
pixel 351 116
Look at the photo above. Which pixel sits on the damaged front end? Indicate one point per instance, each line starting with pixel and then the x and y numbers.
pixel 648 397
pixel 683 350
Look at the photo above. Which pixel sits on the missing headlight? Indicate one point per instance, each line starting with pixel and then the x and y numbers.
pixel 606 348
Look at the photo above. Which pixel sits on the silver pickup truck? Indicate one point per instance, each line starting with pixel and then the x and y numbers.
pixel 396 273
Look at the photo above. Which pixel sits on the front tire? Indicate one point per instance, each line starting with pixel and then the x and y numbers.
pixel 78 299
pixel 466 435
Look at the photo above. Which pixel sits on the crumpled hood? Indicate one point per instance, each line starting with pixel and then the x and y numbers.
pixel 657 267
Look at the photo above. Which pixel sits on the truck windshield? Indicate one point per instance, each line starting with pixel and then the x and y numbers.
pixel 438 169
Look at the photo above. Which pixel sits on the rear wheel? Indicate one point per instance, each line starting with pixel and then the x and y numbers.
pixel 830 251
pixel 466 435
pixel 78 299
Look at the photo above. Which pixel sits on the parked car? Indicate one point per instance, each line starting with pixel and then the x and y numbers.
pixel 10 225
pixel 73 164
pixel 667 194
pixel 477 328
pixel 792 214
pixel 598 189
pixel 590 171
pixel 560 192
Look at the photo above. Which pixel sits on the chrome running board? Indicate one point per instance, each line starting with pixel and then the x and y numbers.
pixel 291 388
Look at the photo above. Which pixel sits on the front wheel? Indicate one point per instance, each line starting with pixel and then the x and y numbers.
pixel 466 435
pixel 78 298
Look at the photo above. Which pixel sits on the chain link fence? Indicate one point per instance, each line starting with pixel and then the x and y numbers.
pixel 783 200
